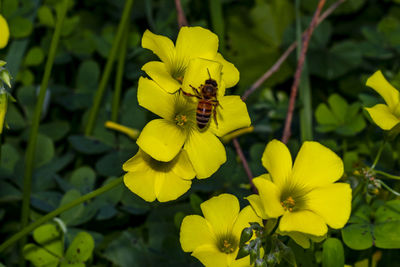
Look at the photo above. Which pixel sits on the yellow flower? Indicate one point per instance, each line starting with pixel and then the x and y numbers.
pixel 214 239
pixel 385 116
pixel 151 179
pixel 305 195
pixel 4 32
pixel 192 42
pixel 163 138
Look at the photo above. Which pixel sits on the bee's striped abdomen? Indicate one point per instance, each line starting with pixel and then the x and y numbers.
pixel 203 113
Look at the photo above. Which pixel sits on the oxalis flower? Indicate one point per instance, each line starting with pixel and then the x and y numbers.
pixel 151 179
pixel 163 138
pixel 214 238
pixel 5 32
pixel 385 116
pixel 192 42
pixel 304 195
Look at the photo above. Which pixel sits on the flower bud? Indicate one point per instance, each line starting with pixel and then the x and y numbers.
pixel 246 235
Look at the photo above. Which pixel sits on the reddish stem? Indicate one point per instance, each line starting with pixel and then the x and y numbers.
pixel 182 21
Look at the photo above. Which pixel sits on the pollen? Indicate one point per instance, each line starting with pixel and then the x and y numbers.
pixel 288 204
pixel 227 244
pixel 180 119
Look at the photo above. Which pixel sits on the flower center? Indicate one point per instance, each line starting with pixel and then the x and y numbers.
pixel 288 204
pixel 180 119
pixel 227 244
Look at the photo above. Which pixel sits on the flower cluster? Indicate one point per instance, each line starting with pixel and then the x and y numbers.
pixel 186 90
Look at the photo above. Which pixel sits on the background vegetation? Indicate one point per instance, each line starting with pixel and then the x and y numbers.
pixel 357 39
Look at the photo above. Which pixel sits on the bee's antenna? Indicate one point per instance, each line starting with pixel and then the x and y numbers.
pixel 209 75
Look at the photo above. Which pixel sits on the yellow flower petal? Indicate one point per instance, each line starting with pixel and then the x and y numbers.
pixel 221 212
pixel 316 165
pixel 256 204
pixel 155 99
pixel 162 46
pixel 391 96
pixel 332 203
pixel 169 186
pixel 198 71
pixel 210 256
pixel 141 183
pixel 303 221
pixel 183 167
pixel 301 239
pixel 161 139
pixel 270 197
pixel 230 74
pixel 246 216
pixel 206 153
pixel 231 115
pixel 136 163
pixel 278 161
pixel 195 232
pixel 195 42
pixel 383 117
pixel 243 262
pixel 5 32
pixel 159 73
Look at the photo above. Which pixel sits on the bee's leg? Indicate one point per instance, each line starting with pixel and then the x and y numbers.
pixel 215 114
pixel 188 94
pixel 217 104
pixel 196 92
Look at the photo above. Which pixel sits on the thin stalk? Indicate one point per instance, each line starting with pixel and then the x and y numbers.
pixel 30 152
pixel 25 231
pixel 119 75
pixel 378 156
pixel 390 189
pixel 388 175
pixel 217 21
pixel 108 68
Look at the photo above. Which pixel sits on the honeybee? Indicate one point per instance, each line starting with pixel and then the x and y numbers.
pixel 208 102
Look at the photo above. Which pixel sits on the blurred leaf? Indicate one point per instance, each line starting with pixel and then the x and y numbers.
pixel 39 256
pixel 34 57
pixel 111 164
pixel 83 179
pixel 332 253
pixel 44 150
pixel 80 250
pixel 72 216
pixel 20 27
pixel 49 237
pixel 9 157
pixel 55 130
pixel 46 16
pixel 87 145
pixel 88 76
pixel 9 7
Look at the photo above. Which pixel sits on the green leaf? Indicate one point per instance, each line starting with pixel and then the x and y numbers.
pixel 39 256
pixel 44 152
pixel 20 27
pixel 9 8
pixel 88 145
pixel 387 225
pixel 49 237
pixel 56 130
pixel 83 179
pixel 332 253
pixel 357 236
pixel 80 250
pixel 9 157
pixel 46 16
pixel 34 57
pixel 88 76
pixel 72 216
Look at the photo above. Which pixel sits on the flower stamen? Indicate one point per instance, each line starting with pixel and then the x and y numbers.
pixel 180 119
pixel 227 244
pixel 288 204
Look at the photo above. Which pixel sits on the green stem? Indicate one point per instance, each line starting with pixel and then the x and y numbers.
pixel 30 152
pixel 388 175
pixel 217 21
pixel 379 153
pixel 107 70
pixel 390 189
pixel 25 231
pixel 119 76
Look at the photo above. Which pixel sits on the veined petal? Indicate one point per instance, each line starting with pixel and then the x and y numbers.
pixel 136 163
pixel 169 186
pixel 256 204
pixel 391 96
pixel 198 72
pixel 278 161
pixel 332 203
pixel 161 139
pixel 232 114
pixel 246 216
pixel 206 153
pixel 195 42
pixel 154 98
pixel 210 256
pixel 303 221
pixel 162 46
pixel 270 197
pixel 141 183
pixel 159 73
pixel 383 117
pixel 183 167
pixel 5 32
pixel 221 212
pixel 195 232
pixel 230 74
pixel 316 165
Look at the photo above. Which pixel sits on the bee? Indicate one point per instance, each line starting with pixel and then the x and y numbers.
pixel 208 102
